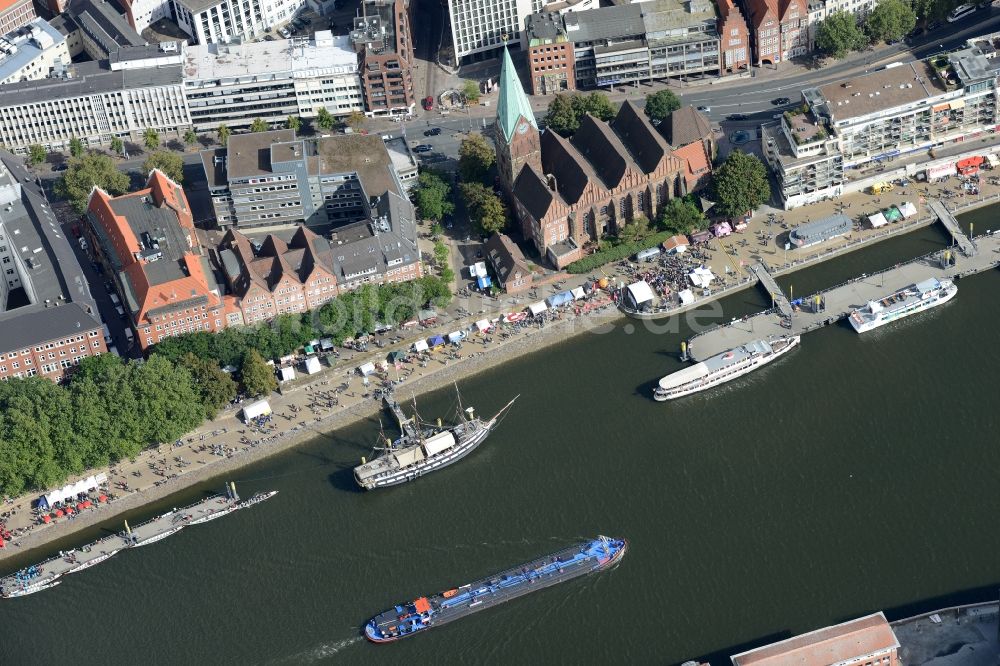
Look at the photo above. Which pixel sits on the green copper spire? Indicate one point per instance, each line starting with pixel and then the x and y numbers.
pixel 513 103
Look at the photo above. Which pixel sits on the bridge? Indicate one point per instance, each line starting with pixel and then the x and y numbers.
pixel 965 244
pixel 407 424
pixel 774 291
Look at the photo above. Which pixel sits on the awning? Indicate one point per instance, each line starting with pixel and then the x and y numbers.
pixel 559 299
pixel 908 209
pixel 427 314
pixel 537 308
pixel 366 369
pixel 456 336
pixel 483 325
pixel 420 346
pixel 397 356
pixel 578 293
pixel 641 292
pixel 435 341
pixel 326 344
pixel 992 159
pixel 877 220
pixel 514 317
pixel 892 214
pixel 312 365
pixel 939 107
pixel 957 104
pixel 686 296
pixel 483 282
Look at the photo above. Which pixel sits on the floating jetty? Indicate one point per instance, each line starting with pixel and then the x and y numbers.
pixel 45 575
pixel 968 257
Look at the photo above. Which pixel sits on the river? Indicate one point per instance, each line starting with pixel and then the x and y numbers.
pixel 859 473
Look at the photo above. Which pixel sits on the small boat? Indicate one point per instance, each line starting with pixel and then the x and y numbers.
pixel 903 303
pixel 30 589
pixel 256 499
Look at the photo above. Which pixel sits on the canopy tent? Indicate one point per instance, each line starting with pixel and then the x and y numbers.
pixel 578 293
pixel 992 160
pixel 366 369
pixel 397 357
pixel 484 281
pixel 877 220
pixel 309 349
pixel 686 296
pixel 537 308
pixel 892 214
pixel 456 336
pixel 420 346
pixel 907 209
pixel 326 344
pixel 71 491
pixel 286 374
pixel 435 341
pixel 427 315
pixel 701 276
pixel 562 298
pixel 312 365
pixel 483 325
pixel 255 409
pixel 721 229
pixel 640 293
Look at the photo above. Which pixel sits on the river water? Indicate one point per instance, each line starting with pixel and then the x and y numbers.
pixel 859 473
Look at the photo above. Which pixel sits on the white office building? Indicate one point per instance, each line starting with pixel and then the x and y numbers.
pixel 31 52
pixel 222 21
pixel 234 84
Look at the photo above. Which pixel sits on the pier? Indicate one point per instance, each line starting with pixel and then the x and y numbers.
pixel 407 425
pixel 831 305
pixel 766 280
pixel 964 243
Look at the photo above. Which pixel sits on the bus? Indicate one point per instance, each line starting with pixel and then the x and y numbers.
pixel 960 12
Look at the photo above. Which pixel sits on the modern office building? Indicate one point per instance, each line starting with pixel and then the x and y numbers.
pixel 383 40
pixel 234 84
pixel 866 641
pixel 31 52
pixel 138 88
pixel 894 113
pixel 225 21
pixel 48 319
pixel 147 243
pixel 14 14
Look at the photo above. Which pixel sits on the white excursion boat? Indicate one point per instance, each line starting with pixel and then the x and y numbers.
pixel 911 300
pixel 723 367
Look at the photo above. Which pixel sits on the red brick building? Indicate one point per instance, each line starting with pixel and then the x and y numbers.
pixel 551 62
pixel 778 29
pixel 14 14
pixel 75 334
pixel 383 40
pixel 734 38
pixel 147 242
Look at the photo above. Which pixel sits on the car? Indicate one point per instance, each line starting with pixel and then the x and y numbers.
pixel 428 103
pixel 120 310
pixel 434 131
pixel 284 32
pixel 423 148
pixel 705 109
pixel 737 116
pixel 268 38
pixel 62 166
pixel 778 101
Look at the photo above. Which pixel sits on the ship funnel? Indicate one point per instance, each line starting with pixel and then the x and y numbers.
pixel 471 412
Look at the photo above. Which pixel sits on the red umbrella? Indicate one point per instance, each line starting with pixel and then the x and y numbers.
pixel 85 504
pixel 69 510
pixel 59 513
pixel 102 498
pixel 46 518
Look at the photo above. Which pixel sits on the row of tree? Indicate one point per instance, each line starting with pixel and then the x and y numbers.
pixel 891 20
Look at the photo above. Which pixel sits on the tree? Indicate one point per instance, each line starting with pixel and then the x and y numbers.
pixel 486 211
pixel 293 123
pixel 470 91
pixel 36 154
pixel 838 34
pixel 680 216
pixel 224 133
pixel 75 147
pixel 740 184
pixel 661 104
pixel 440 253
pixel 117 146
pixel 151 139
pixel 634 230
pixel 169 163
pixel 259 125
pixel 598 105
pixel 256 376
pixel 190 136
pixel 436 230
pixel 890 20
pixel 431 196
pixel 324 120
pixel 475 158
pixel 216 388
pixel 168 403
pixel 561 117
pixel 85 172
pixel 355 120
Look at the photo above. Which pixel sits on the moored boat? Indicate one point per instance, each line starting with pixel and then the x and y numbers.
pixel 426 612
pixel 723 367
pixel 903 303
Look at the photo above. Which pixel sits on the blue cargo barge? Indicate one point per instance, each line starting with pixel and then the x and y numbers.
pixel 435 610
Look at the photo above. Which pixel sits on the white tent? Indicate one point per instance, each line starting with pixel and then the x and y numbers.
pixel 457 336
pixel 641 293
pixel 420 346
pixel 312 365
pixel 686 296
pixel 701 276
pixel 538 308
pixel 255 409
pixel 908 209
pixel 286 374
pixel 877 220
pixel 578 293
pixel 483 325
pixel 366 369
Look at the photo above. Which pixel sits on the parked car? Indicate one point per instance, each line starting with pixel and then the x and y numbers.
pixel 705 109
pixel 423 148
pixel 284 32
pixel 737 116
pixel 434 131
pixel 428 103
pixel 268 38
pixel 780 101
pixel 120 310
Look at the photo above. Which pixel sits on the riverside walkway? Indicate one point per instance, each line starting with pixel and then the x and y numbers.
pixel 771 285
pixel 831 305
pixel 966 245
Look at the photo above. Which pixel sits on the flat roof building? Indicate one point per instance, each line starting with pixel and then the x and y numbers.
pixel 384 43
pixel 821 230
pixel 232 21
pixel 31 52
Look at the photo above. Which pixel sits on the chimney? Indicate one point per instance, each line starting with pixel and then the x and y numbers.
pixel 551 179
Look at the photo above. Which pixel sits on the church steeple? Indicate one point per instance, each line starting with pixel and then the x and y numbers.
pixel 517 138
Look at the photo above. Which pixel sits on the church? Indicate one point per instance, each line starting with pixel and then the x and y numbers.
pixel 566 193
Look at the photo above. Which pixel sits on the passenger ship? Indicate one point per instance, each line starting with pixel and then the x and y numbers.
pixel 723 367
pixel 915 298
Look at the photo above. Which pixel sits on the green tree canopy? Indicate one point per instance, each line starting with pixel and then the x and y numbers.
pixel 259 125
pixel 440 253
pixel 190 136
pixel 324 119
pixel 890 20
pixel 681 216
pixel 36 154
pixel 75 147
pixel 470 91
pixel 561 116
pixel 85 172
pixel 486 211
pixel 431 196
pixel 740 184
pixel 839 33
pixel 215 387
pixel 168 162
pixel 596 104
pixel 151 139
pixel 256 376
pixel 223 133
pixel 475 158
pixel 355 120
pixel 293 123
pixel 661 104
pixel 117 146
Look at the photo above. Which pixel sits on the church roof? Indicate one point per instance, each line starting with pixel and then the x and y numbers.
pixel 686 125
pixel 513 103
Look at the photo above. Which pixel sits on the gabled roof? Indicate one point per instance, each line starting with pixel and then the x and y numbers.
pixel 531 190
pixel 603 150
pixel 512 103
pixel 686 125
pixel 572 172
pixel 506 257
pixel 697 163
pixel 638 135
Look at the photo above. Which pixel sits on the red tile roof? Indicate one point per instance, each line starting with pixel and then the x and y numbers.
pixel 829 645
pixel 699 166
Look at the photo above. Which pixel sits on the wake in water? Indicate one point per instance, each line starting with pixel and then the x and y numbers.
pixel 320 652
